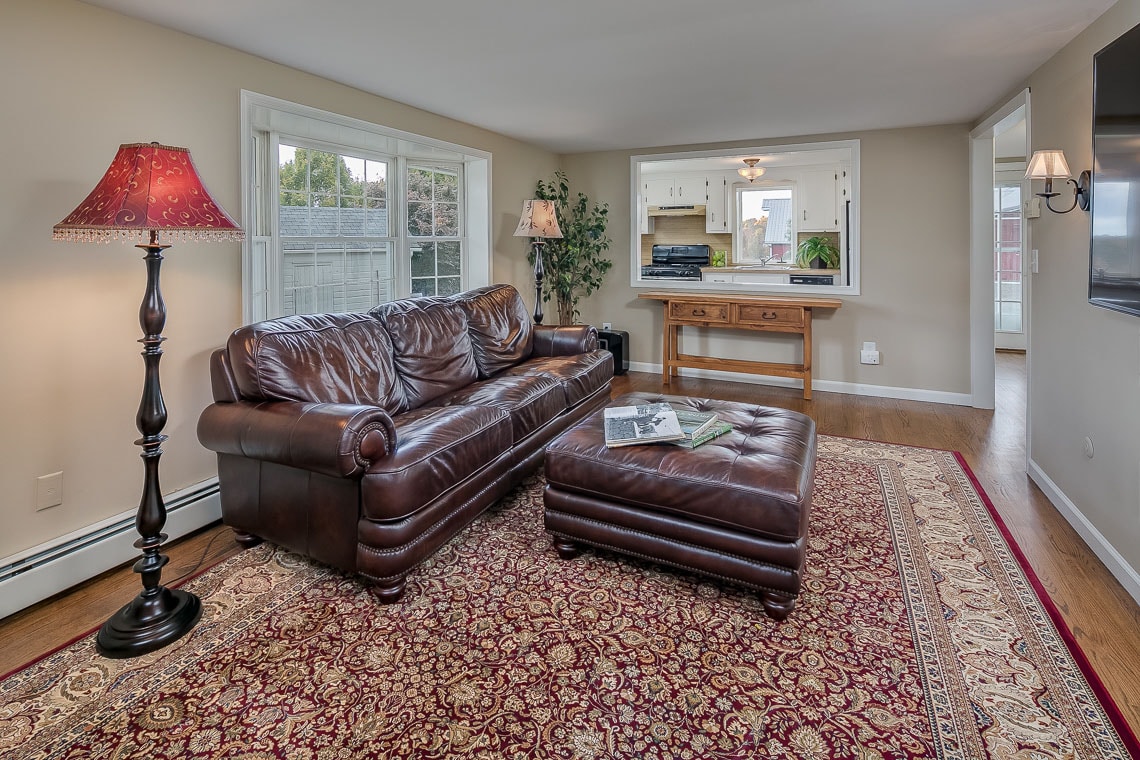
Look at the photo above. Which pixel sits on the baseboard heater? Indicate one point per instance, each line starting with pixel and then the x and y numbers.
pixel 42 571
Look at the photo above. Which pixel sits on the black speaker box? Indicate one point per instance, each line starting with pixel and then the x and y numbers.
pixel 617 343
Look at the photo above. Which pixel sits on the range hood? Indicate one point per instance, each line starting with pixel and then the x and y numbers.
pixel 676 211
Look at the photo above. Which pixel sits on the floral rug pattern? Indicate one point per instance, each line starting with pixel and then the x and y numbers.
pixel 917 634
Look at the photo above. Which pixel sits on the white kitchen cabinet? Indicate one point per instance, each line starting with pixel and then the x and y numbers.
pixel 767 278
pixel 717 217
pixel 818 200
pixel 674 190
pixel 658 191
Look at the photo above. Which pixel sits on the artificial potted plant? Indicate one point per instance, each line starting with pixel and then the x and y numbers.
pixel 817 253
pixel 575 263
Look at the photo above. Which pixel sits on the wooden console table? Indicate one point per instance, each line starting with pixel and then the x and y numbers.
pixel 740 312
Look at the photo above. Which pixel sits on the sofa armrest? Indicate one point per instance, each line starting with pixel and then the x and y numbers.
pixel 556 340
pixel 339 440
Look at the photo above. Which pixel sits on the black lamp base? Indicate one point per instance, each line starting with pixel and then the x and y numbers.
pixel 148 623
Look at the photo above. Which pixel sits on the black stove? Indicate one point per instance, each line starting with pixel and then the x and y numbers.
pixel 676 262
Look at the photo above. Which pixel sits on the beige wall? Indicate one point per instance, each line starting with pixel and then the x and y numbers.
pixel 915 266
pixel 77 81
pixel 1084 361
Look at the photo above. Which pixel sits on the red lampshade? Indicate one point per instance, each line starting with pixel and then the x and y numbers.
pixel 149 187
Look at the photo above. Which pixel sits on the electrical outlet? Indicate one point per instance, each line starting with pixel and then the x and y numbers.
pixel 49 491
pixel 869 357
pixel 607 326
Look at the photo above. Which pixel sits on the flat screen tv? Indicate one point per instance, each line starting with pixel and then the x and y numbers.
pixel 1114 255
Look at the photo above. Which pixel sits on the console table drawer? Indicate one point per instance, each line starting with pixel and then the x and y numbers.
pixel 692 311
pixel 785 316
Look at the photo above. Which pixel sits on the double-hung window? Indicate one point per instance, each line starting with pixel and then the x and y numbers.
pixel 344 215
pixel 333 230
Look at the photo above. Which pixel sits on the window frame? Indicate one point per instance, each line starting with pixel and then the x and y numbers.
pixel 265 121
pixel 851 235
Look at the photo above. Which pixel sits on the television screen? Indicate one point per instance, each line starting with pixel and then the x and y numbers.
pixel 1114 256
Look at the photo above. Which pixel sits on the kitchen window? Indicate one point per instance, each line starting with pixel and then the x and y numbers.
pixel 699 201
pixel 343 215
pixel 765 231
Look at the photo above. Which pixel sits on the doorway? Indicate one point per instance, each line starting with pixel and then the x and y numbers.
pixel 1000 317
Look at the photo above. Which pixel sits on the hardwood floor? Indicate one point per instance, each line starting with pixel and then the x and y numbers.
pixel 1103 618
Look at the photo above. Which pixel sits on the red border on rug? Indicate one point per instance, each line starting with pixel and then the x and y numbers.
pixel 1106 700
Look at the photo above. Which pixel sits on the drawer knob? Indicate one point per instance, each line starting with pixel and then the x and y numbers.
pixel 698 312
pixel 768 315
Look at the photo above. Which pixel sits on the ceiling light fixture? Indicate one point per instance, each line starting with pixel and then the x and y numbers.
pixel 752 171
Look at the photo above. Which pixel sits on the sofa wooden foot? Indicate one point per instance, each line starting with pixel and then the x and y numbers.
pixel 566 548
pixel 248 540
pixel 778 606
pixel 390 592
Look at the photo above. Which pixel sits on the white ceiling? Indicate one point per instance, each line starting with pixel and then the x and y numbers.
pixel 583 75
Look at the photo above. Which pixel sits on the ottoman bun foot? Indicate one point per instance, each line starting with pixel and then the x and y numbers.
pixel 566 548
pixel 778 606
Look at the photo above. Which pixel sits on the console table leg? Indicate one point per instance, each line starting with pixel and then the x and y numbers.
pixel 807 354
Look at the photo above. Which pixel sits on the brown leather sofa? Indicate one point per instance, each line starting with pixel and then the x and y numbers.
pixel 366 441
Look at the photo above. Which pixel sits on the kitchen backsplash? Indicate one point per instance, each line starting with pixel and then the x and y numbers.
pixel 682 230
pixel 690 230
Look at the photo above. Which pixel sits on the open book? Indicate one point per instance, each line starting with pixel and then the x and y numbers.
pixel 644 423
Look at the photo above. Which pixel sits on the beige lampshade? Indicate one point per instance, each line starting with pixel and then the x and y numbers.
pixel 538 220
pixel 1048 164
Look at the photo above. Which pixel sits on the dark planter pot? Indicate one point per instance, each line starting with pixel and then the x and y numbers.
pixel 817 263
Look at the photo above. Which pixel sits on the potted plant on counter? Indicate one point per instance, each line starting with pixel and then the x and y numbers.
pixel 817 253
pixel 575 263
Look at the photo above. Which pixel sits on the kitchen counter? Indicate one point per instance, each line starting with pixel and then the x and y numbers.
pixel 745 268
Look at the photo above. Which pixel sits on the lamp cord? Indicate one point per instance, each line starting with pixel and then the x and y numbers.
pixel 201 559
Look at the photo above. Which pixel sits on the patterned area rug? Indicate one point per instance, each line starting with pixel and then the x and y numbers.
pixel 918 635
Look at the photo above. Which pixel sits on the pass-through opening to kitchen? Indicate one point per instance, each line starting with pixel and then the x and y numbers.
pixel 780 219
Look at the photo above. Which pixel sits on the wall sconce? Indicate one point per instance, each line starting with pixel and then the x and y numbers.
pixel 1049 165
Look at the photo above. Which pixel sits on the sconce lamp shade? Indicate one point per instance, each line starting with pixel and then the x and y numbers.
pixel 752 171
pixel 1048 164
pixel 148 187
pixel 538 220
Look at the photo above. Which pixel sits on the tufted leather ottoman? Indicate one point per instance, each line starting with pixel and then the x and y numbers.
pixel 735 508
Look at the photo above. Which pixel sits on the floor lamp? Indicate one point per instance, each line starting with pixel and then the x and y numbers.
pixel 149 189
pixel 538 222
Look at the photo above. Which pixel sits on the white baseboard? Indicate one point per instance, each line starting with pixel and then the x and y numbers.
pixel 829 386
pixel 37 573
pixel 1105 551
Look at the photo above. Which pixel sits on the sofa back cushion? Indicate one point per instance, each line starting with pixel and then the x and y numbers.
pixel 335 358
pixel 430 346
pixel 499 325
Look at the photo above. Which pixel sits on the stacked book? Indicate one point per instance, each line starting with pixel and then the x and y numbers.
pixel 656 423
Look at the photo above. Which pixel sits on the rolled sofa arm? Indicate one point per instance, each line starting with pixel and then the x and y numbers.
pixel 556 340
pixel 339 440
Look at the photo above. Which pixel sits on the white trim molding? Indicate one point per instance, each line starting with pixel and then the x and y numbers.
pixel 1105 551
pixel 42 571
pixel 828 386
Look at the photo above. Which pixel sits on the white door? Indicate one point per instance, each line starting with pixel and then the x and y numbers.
pixel 1009 265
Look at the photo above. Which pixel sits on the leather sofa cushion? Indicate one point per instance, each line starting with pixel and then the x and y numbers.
pixel 336 358
pixel 756 479
pixel 580 375
pixel 439 449
pixel 431 348
pixel 499 325
pixel 530 401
